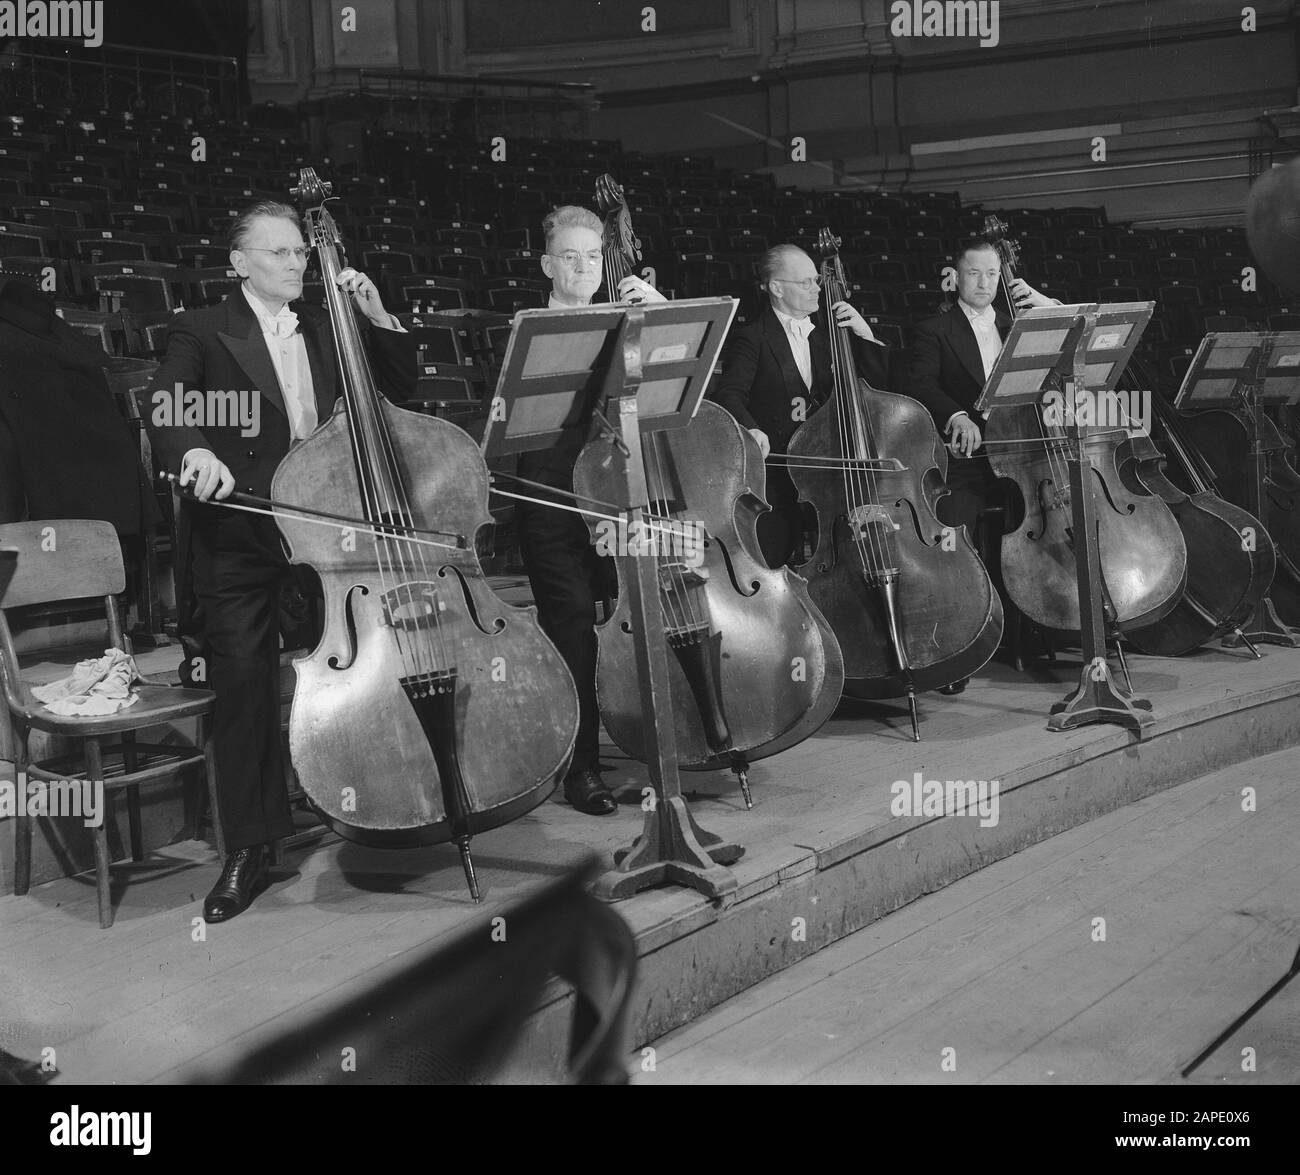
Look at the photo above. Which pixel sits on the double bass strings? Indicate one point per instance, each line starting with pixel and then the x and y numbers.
pixel 677 596
pixel 398 560
pixel 855 430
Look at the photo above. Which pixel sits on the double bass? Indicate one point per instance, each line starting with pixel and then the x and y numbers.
pixel 1220 441
pixel 909 599
pixel 755 666
pixel 1227 575
pixel 1142 554
pixel 430 710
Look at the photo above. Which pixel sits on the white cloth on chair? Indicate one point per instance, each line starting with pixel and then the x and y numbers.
pixel 93 688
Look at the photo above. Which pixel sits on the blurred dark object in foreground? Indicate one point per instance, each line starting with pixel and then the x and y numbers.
pixel 454 1016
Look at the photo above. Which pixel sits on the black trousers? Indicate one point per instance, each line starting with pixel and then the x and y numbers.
pixel 973 486
pixel 780 532
pixel 239 571
pixel 567 578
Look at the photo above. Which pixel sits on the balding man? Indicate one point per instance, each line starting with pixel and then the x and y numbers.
pixel 255 348
pixel 777 370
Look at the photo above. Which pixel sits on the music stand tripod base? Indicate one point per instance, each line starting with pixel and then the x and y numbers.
pixel 1099 698
pixel 672 849
pixel 1265 628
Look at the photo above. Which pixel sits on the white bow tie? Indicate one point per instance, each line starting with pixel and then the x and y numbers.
pixel 284 324
pixel 801 327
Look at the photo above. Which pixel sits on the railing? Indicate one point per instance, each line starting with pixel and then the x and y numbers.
pixel 63 72
pixel 478 106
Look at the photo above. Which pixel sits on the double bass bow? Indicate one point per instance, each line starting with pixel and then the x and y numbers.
pixel 430 711
pixel 1142 554
pixel 909 599
pixel 755 667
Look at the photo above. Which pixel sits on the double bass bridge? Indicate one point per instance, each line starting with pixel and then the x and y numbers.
pixel 869 514
pixel 413 607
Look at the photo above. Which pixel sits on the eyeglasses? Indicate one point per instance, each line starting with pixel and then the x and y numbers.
pixel 570 257
pixel 302 252
pixel 806 284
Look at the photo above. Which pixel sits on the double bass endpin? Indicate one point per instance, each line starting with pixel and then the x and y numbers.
pixel 911 709
pixel 740 765
pixel 467 863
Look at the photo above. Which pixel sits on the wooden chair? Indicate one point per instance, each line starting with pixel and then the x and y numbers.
pixel 85 561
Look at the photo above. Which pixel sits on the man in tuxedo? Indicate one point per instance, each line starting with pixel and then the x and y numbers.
pixel 952 356
pixel 776 371
pixel 566 574
pixel 277 368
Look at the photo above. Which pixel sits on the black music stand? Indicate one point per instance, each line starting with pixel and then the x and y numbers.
pixel 1086 347
pixel 1246 370
pixel 625 370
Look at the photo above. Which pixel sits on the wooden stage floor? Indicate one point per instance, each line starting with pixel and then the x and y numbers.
pixel 145 1002
pixel 1007 967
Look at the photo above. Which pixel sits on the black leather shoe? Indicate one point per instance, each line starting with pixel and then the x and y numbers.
pixel 587 792
pixel 242 879
pixel 954 687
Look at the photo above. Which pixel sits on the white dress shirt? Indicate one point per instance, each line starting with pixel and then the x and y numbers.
pixel 985 325
pixel 292 367
pixel 797 331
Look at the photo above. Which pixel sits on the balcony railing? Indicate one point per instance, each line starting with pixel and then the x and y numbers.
pixel 118 78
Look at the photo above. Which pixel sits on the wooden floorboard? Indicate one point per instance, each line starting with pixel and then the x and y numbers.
pixel 143 1000
pixel 1202 915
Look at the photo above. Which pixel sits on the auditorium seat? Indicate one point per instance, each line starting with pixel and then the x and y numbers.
pixel 1178 268
pixel 52 211
pixel 387 231
pixel 1221 320
pixel 109 331
pixel 142 286
pixel 209 285
pixel 135 216
pixel 509 294
pixel 93 246
pixel 427 291
pixel 28 240
pixel 520 262
pixel 1117 266
pixel 195 251
pixel 382 259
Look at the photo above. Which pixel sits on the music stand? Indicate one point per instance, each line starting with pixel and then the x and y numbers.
pixel 1240 371
pixel 625 371
pixel 1086 347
